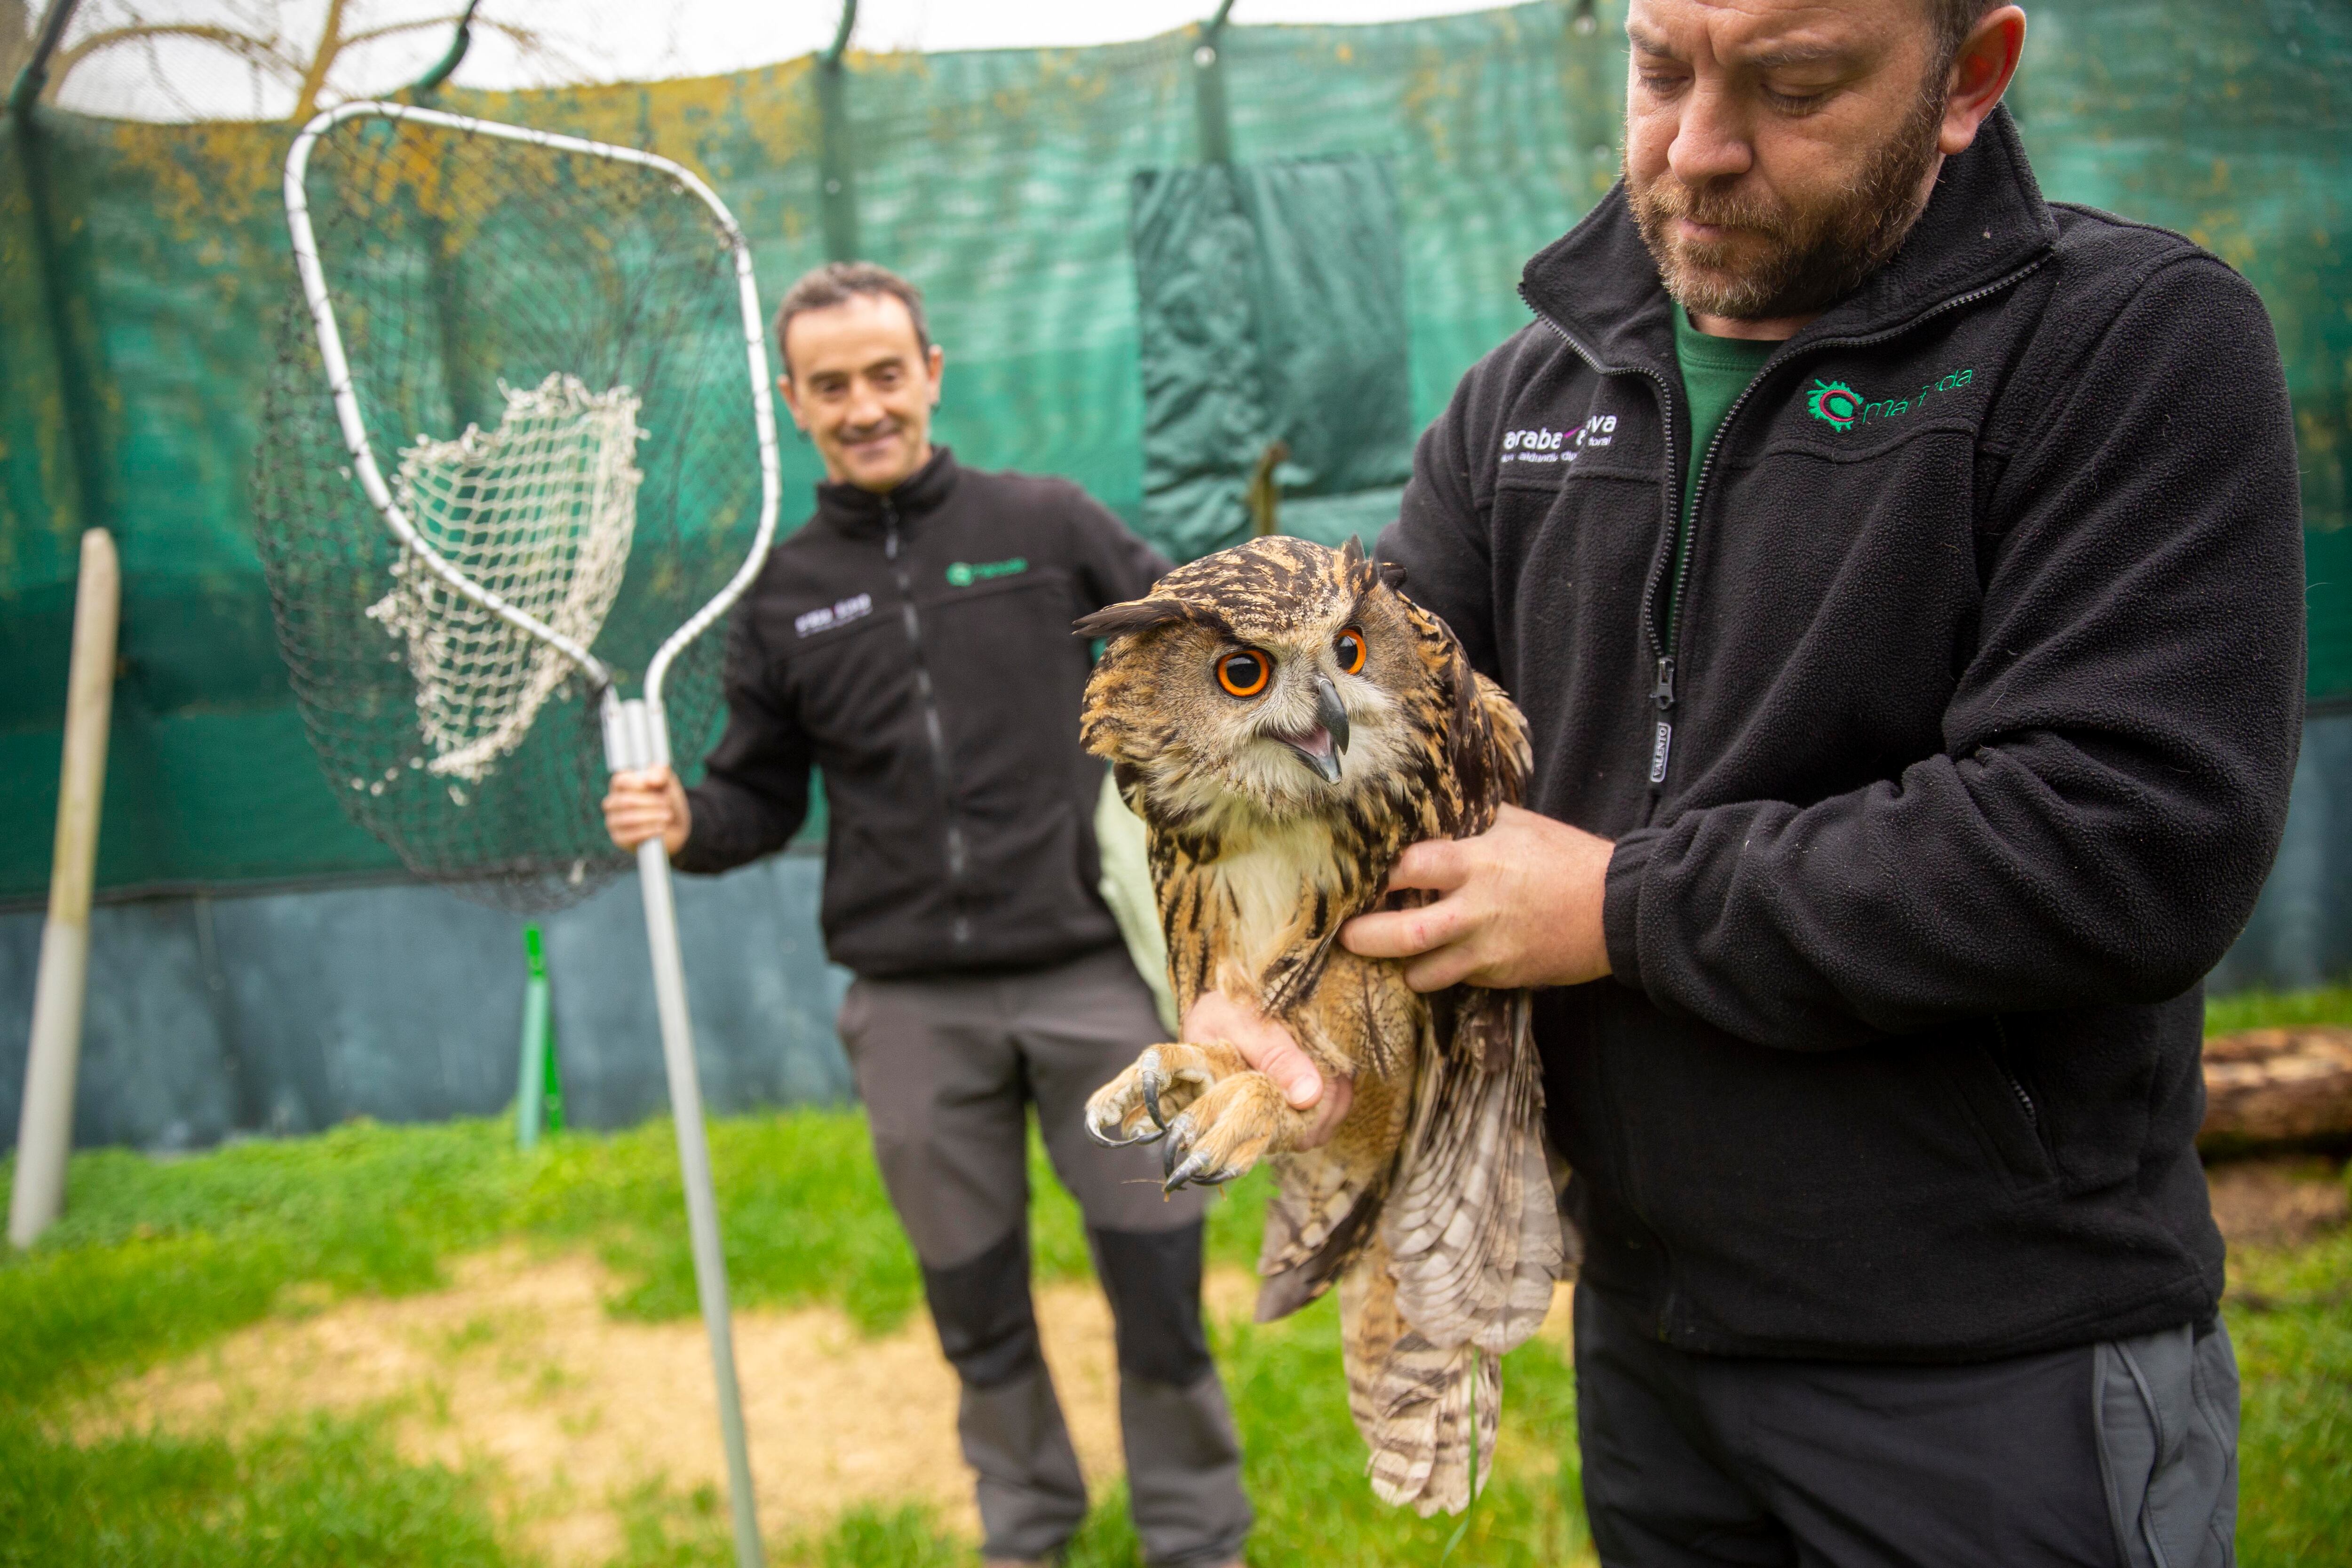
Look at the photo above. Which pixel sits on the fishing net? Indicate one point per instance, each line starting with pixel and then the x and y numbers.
pixel 546 350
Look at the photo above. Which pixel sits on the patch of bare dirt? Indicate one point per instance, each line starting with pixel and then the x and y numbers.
pixel 518 1367
pixel 2277 1201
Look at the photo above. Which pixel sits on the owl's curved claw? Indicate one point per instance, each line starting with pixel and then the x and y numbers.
pixel 1150 1135
pixel 1184 1164
pixel 1179 1146
pixel 1149 1081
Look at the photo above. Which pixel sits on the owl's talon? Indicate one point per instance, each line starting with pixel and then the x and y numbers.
pixel 1187 1172
pixel 1179 1142
pixel 1149 1082
pixel 1148 1135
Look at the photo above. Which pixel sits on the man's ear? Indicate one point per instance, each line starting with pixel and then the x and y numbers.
pixel 791 398
pixel 1980 74
pixel 938 362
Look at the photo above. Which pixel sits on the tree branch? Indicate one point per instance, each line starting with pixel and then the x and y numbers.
pixel 314 77
pixel 265 52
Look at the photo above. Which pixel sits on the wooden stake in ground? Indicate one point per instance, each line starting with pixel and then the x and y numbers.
pixel 45 1128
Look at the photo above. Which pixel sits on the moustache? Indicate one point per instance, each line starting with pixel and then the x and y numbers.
pixel 1720 208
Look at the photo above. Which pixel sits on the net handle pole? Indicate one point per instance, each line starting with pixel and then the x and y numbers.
pixel 629 744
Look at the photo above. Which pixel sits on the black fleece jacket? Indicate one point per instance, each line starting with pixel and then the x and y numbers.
pixel 1960 761
pixel 916 645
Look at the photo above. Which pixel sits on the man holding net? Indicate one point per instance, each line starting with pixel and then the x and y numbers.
pixel 912 641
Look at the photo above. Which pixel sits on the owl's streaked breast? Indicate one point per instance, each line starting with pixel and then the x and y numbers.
pixel 1269 881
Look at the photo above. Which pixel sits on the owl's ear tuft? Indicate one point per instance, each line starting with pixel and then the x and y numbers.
pixel 1391 574
pixel 1351 554
pixel 1134 616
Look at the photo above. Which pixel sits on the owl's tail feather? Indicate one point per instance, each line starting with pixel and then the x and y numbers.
pixel 1411 1400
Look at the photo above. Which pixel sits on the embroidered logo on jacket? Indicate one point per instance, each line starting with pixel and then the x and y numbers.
pixel 964 574
pixel 840 613
pixel 1836 404
pixel 1558 446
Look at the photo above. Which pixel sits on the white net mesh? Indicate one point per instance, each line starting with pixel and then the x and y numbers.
pixel 539 511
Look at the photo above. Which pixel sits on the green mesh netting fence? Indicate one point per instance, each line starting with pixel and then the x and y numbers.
pixel 141 266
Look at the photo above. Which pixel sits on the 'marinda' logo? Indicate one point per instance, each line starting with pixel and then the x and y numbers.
pixel 964 574
pixel 1835 403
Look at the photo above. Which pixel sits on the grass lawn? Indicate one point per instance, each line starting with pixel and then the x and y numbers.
pixel 160 1258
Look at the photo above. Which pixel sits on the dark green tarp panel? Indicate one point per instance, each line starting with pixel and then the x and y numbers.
pixel 139 265
pixel 1270 307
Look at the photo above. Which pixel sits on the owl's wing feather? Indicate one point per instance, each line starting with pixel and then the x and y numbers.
pixel 1317 1222
pixel 1470 1224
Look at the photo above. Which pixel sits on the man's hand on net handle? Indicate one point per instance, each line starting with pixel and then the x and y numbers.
pixel 1272 1049
pixel 644 804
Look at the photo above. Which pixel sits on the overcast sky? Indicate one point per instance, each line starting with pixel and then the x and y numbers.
pixel 607 40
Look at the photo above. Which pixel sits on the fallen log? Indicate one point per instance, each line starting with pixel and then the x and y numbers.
pixel 2278 1089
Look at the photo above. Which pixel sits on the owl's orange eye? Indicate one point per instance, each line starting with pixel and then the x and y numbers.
pixel 1350 651
pixel 1245 674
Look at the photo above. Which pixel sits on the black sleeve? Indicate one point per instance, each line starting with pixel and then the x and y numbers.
pixel 1112 564
pixel 754 792
pixel 1440 536
pixel 2117 754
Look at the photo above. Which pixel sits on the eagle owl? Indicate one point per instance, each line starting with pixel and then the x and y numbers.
pixel 1285 723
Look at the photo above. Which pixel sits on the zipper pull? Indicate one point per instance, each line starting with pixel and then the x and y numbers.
pixel 1662 694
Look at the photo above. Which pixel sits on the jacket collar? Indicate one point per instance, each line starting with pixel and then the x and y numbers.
pixel 861 512
pixel 1984 222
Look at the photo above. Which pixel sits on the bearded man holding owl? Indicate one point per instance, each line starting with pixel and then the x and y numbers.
pixel 1901 577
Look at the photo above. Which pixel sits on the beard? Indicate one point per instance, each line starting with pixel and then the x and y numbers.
pixel 1811 256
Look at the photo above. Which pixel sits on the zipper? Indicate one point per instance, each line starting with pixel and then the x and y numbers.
pixel 2024 1101
pixel 2016 1084
pixel 933 730
pixel 1662 691
pixel 1666 647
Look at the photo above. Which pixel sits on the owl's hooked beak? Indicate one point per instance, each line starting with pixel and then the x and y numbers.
pixel 1331 720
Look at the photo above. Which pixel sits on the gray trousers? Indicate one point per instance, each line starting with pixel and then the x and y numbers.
pixel 2117 1455
pixel 947 1068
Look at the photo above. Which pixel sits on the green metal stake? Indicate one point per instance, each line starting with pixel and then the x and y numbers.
pixel 837 205
pixel 539 1090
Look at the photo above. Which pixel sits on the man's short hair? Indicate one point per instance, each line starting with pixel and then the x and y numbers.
pixel 1951 19
pixel 836 282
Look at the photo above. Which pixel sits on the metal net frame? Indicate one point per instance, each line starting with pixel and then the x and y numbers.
pixel 442 534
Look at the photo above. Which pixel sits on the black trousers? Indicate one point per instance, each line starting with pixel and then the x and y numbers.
pixel 2117 1455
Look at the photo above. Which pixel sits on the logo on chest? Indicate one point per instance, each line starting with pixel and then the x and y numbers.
pixel 964 574
pixel 840 613
pixel 1836 404
pixel 1558 446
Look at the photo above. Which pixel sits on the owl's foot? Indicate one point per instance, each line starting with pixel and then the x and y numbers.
pixel 1138 1106
pixel 1227 1130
